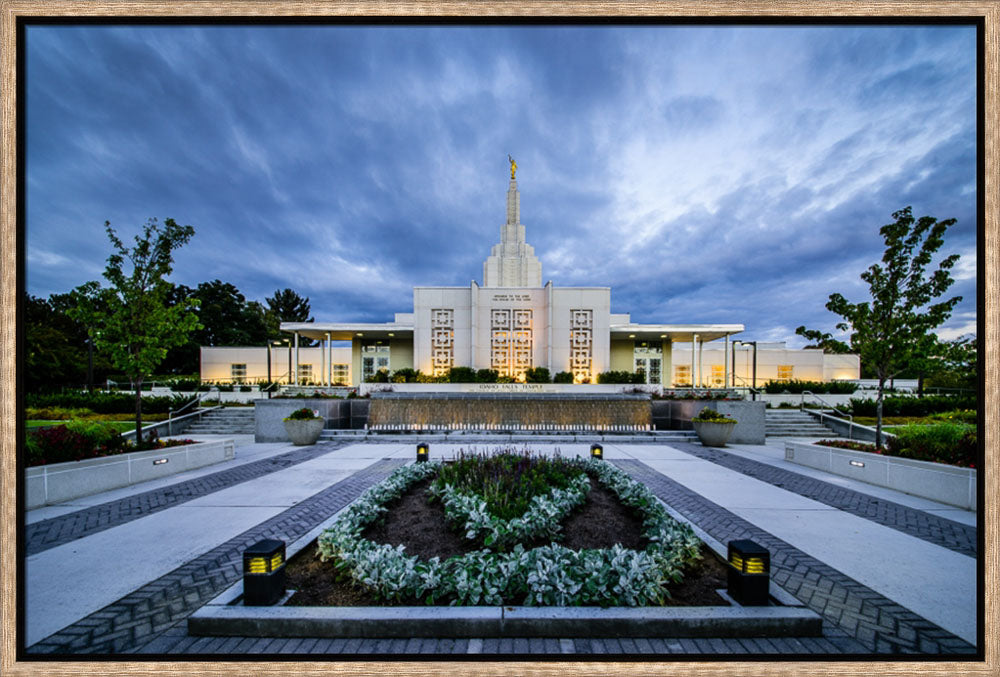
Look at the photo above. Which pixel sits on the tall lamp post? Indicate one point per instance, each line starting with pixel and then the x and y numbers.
pixel 753 382
pixel 276 343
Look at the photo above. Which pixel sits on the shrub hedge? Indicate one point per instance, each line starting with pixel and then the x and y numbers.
pixel 796 387
pixel 104 403
pixel 913 406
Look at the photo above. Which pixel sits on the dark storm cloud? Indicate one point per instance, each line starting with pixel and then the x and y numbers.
pixel 705 174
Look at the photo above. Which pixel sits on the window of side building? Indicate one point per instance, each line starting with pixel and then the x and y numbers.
pixel 238 372
pixel 785 372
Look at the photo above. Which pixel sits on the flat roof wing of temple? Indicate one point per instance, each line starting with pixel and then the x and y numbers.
pixel 346 331
pixel 679 333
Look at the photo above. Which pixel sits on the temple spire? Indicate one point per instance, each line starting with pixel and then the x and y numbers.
pixel 512 263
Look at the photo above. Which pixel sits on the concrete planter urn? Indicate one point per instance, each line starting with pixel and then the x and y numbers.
pixel 712 427
pixel 303 427
pixel 713 434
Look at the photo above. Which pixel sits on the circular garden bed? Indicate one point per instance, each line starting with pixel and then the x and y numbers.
pixel 507 528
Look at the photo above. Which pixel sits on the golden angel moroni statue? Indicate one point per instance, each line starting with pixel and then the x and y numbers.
pixel 513 165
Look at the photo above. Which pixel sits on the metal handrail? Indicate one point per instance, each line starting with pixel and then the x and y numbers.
pixel 849 417
pixel 750 389
pixel 169 422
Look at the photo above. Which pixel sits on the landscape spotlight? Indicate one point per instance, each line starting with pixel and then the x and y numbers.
pixel 749 574
pixel 596 451
pixel 264 573
pixel 423 452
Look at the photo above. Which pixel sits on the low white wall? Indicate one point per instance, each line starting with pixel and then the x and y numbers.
pixel 936 481
pixel 842 401
pixel 47 484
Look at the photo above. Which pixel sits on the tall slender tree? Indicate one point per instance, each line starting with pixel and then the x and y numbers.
pixel 893 329
pixel 136 323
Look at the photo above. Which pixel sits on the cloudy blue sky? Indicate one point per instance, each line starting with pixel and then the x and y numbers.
pixel 704 173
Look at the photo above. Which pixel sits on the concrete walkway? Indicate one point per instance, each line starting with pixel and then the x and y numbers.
pixel 127 585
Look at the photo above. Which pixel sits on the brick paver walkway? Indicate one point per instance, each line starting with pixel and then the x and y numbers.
pixel 140 616
pixel 44 534
pixel 960 538
pixel 856 619
pixel 880 624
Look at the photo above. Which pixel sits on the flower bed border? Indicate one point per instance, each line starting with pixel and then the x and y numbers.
pixel 225 616
pixel 549 575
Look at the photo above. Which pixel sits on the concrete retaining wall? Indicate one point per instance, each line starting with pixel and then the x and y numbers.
pixel 936 481
pixel 48 484
pixel 339 414
pixel 677 415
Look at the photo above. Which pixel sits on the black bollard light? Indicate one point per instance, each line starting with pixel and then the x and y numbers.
pixel 423 452
pixel 749 574
pixel 264 573
pixel 597 452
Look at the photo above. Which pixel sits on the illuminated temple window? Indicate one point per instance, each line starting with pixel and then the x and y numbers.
pixel 442 340
pixel 785 372
pixel 581 344
pixel 511 341
pixel 718 375
pixel 682 375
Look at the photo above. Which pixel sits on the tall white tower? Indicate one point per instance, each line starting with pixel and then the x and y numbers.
pixel 512 263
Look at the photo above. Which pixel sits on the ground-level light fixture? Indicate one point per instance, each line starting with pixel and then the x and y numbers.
pixel 749 575
pixel 596 451
pixel 858 464
pixel 423 452
pixel 264 573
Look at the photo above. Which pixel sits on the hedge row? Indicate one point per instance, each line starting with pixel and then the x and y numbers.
pixel 912 406
pixel 819 387
pixel 105 403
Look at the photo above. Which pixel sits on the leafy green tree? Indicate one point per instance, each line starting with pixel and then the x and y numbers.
pixel 137 324
pixel 824 341
pixel 53 346
pixel 958 365
pixel 227 318
pixel 891 330
pixel 285 306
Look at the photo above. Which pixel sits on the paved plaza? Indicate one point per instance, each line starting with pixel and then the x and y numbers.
pixel 120 572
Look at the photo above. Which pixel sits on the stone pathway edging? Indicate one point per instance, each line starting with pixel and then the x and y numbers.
pixel 941 531
pixel 140 616
pixel 881 625
pixel 45 534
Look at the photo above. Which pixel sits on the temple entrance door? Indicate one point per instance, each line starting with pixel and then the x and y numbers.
pixel 650 366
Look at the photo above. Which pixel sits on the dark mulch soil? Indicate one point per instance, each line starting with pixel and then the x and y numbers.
pixel 420 526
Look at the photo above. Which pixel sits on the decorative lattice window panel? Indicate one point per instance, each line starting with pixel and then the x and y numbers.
pixel 581 343
pixel 442 340
pixel 511 341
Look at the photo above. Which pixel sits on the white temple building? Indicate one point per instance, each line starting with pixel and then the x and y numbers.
pixel 510 323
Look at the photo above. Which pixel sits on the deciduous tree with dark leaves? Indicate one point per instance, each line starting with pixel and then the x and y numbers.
pixel 894 329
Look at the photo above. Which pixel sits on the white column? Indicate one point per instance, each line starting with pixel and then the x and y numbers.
pixel 725 368
pixel 701 376
pixel 694 360
pixel 322 363
pixel 329 361
pixel 295 366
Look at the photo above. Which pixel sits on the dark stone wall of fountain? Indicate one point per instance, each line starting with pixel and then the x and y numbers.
pixel 516 410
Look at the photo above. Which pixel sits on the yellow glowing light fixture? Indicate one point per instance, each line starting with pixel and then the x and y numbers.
pixel 423 452
pixel 596 452
pixel 749 574
pixel 264 573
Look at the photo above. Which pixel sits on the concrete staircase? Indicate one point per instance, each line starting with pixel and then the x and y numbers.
pixel 225 421
pixel 793 423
